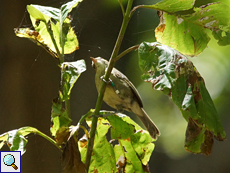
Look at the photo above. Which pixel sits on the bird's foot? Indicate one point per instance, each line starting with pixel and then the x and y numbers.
pixel 112 84
pixel 109 81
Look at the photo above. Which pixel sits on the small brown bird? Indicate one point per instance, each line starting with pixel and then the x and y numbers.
pixel 121 94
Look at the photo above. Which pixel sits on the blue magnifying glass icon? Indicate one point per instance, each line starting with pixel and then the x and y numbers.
pixel 9 160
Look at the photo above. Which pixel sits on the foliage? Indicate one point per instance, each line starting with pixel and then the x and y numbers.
pixel 132 152
pixel 176 76
pixel 188 33
pixel 120 144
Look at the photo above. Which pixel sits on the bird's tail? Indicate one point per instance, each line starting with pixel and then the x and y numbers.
pixel 149 124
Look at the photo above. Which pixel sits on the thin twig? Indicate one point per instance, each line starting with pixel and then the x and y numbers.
pixel 126 51
pixel 48 138
pixel 122 8
pixel 67 107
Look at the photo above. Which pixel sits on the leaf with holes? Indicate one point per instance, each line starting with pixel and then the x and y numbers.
pixel 171 72
pixel 188 33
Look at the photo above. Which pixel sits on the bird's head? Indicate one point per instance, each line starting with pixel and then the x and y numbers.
pixel 99 64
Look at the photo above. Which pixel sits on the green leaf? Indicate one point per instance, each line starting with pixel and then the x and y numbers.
pixel 120 129
pixel 119 155
pixel 222 37
pixel 70 43
pixel 216 17
pixel 3 139
pixel 52 35
pixel 142 144
pixel 173 5
pixel 43 13
pixel 68 35
pixel 59 118
pixel 195 137
pixel 16 140
pixel 175 75
pixel 123 129
pixel 133 151
pixel 35 37
pixel 133 163
pixel 183 35
pixel 188 33
pixel 103 157
pixel 71 72
pixel 67 8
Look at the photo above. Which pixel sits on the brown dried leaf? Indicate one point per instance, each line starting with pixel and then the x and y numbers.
pixel 192 131
pixel 208 143
pixel 71 158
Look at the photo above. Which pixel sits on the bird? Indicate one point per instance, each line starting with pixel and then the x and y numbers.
pixel 121 94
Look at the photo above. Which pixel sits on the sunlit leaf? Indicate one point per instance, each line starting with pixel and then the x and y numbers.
pixel 103 157
pixel 35 37
pixel 69 37
pixel 120 129
pixel 133 163
pixel 120 157
pixel 173 5
pixel 59 118
pixel 62 135
pixel 16 140
pixel 43 13
pixel 70 75
pixel 180 34
pixel 67 8
pixel 3 139
pixel 130 135
pixel 175 75
pixel 49 32
pixel 188 33
pixel 142 144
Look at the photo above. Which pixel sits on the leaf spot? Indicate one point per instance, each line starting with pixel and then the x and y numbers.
pixel 179 20
pixel 209 24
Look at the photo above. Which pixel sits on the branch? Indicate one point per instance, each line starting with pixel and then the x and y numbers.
pixel 126 51
pixel 48 138
pixel 122 8
pixel 107 74
pixel 148 7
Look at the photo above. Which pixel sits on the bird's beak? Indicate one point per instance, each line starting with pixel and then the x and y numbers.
pixel 93 62
pixel 93 59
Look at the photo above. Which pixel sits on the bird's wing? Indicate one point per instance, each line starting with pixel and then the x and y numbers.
pixel 133 88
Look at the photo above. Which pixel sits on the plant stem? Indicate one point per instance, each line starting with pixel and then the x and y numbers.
pixel 126 51
pixel 122 8
pixel 47 138
pixel 61 40
pixel 67 107
pixel 107 74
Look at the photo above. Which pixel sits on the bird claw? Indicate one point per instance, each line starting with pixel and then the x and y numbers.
pixel 112 84
pixel 107 82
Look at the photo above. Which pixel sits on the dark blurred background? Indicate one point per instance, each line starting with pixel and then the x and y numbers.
pixel 29 80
